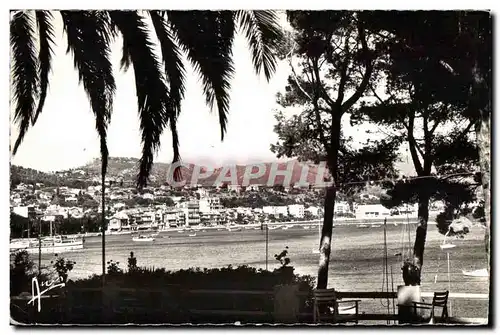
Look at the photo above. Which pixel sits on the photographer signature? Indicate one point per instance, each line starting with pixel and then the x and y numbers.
pixel 35 288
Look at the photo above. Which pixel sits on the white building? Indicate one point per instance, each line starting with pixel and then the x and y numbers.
pixel 120 221
pixel 372 211
pixel 410 210
pixel 275 210
pixel 342 207
pixel 203 193
pixel 148 196
pixel 191 211
pixel 296 211
pixel 210 205
pixel 24 211
pixel 174 217
pixel 71 199
pixel 313 210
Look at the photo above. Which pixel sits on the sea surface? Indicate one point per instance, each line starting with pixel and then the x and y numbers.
pixel 356 264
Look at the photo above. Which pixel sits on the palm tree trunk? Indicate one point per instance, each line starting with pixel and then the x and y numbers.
pixel 103 229
pixel 483 142
pixel 421 234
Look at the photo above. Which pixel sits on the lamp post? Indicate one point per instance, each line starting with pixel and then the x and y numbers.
pixel 39 247
pixel 448 247
pixel 267 245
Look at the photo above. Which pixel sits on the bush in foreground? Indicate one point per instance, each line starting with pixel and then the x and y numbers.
pixel 161 296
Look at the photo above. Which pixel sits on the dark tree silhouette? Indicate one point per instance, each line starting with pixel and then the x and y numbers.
pixel 336 62
pixel 205 36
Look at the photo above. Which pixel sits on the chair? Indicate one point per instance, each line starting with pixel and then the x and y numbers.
pixel 327 308
pixel 440 299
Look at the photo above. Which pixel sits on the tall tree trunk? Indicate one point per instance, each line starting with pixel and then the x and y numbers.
pixel 326 237
pixel 421 234
pixel 103 228
pixel 480 105
pixel 331 193
pixel 483 142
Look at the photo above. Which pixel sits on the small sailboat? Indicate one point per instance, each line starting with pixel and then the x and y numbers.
pixel 476 273
pixel 445 245
pixel 306 227
pixel 143 238
pixel 192 235
pixel 316 251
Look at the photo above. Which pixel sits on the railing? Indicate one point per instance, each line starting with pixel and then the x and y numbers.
pixel 118 301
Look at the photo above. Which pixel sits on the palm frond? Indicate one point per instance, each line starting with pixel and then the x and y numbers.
pixel 263 33
pixel 174 68
pixel 46 35
pixel 207 37
pixel 125 61
pixel 155 109
pixel 88 35
pixel 24 71
pixel 175 146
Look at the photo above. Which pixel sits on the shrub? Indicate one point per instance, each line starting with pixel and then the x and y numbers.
pixel 114 268
pixel 21 272
pixel 62 266
pixel 132 263
pixel 182 281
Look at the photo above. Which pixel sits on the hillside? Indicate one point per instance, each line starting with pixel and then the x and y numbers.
pixel 125 169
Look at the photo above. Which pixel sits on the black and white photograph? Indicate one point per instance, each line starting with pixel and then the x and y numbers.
pixel 252 167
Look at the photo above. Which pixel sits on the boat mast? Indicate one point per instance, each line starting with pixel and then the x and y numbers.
pixel 39 247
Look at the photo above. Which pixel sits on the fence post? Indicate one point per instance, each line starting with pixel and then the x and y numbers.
pixel 286 303
pixel 406 296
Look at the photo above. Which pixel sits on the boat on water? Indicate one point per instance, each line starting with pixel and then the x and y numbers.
pixel 285 228
pixel 143 238
pixel 49 245
pixel 476 273
pixel 306 227
pixel 376 226
pixel 192 235
pixel 362 226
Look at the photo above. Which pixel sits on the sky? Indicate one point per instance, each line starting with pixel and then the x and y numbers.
pixel 65 137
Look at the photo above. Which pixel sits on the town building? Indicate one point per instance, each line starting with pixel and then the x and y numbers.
pixel 296 211
pixel 372 211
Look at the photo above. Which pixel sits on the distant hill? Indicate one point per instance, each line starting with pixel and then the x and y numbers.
pixel 125 169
